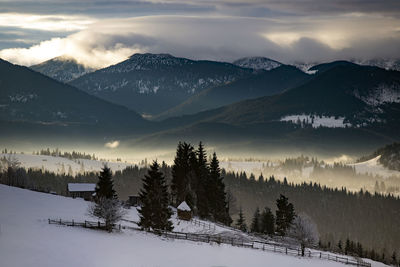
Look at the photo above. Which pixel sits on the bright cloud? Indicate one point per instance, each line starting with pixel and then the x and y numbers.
pixel 113 144
pixel 45 22
pixel 224 33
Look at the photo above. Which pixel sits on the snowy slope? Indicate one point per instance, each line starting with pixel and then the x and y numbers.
pixel 26 239
pixel 257 63
pixel 62 165
pixel 373 166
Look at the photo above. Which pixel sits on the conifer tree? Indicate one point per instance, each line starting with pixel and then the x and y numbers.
pixel 204 193
pixel 217 200
pixel 154 212
pixel 182 175
pixel 255 223
pixel 340 247
pixel 267 222
pixel 241 222
pixel 105 185
pixel 284 215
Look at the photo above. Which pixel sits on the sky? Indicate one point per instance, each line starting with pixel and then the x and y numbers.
pixel 99 33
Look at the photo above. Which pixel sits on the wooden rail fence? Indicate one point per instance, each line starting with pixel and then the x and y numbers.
pixel 218 239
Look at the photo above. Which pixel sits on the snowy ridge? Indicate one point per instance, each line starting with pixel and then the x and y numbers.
pixel 317 121
pixel 257 63
pixel 388 64
pixel 63 165
pixel 373 166
pixel 381 94
pixel 146 62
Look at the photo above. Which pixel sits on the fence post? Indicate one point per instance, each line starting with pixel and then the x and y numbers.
pixel 49 221
pixel 336 258
pixel 98 223
pixel 320 255
pixel 85 224
pixel 309 254
pixel 286 250
pixel 60 221
pixel 73 224
pixel 120 227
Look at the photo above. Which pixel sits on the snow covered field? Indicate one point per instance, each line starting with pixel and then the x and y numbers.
pixel 317 121
pixel 26 239
pixel 63 165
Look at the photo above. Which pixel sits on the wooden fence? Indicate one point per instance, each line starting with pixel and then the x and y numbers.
pixel 219 239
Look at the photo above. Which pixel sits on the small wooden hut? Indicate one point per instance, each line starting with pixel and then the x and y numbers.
pixel 184 211
pixel 82 190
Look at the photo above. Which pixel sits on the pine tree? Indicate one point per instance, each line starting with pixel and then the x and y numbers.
pixel 267 222
pixel 255 223
pixel 347 248
pixel 394 258
pixel 217 197
pixel 204 194
pixel 182 175
pixel 340 247
pixel 105 185
pixel 154 212
pixel 241 222
pixel 284 215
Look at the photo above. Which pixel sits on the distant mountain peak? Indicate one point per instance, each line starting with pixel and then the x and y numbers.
pixel 147 61
pixel 63 68
pixel 257 63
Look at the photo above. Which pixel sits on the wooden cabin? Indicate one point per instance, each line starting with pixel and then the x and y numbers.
pixel 81 190
pixel 184 211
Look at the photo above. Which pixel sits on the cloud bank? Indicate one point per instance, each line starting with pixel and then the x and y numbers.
pixel 285 30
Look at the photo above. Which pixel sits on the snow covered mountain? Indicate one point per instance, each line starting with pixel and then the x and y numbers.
pixel 257 63
pixel 63 68
pixel 388 64
pixel 152 83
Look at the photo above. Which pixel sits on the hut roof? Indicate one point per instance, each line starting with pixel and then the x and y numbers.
pixel 81 187
pixel 184 206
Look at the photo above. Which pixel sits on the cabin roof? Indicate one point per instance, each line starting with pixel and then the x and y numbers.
pixel 184 206
pixel 81 187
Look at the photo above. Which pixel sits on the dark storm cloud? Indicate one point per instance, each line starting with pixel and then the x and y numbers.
pixel 102 8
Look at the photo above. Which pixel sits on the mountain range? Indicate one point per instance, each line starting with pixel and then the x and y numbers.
pixel 153 83
pixel 342 103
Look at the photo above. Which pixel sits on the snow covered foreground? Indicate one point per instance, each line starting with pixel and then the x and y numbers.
pixel 26 239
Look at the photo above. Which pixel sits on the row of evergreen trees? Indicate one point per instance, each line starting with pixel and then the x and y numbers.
pixel 194 180
pixel 199 183
pixel 266 222
pixel 350 247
